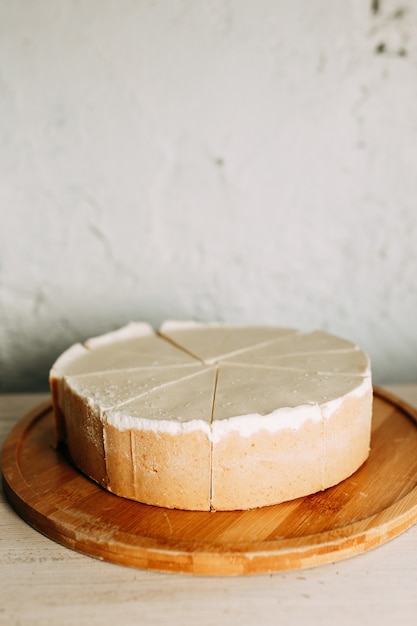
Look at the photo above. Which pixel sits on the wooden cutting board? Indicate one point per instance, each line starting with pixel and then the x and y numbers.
pixel 371 507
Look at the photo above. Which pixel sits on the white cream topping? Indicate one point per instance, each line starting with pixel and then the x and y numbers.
pixel 266 386
pixel 285 418
pixel 67 358
pixel 132 330
pixel 126 422
pixel 169 325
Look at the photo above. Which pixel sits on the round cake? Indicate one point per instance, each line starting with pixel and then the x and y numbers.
pixel 211 416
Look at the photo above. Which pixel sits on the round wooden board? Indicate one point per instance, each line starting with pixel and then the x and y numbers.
pixel 371 507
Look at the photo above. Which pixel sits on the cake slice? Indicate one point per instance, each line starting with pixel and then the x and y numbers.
pixel 277 433
pixel 157 447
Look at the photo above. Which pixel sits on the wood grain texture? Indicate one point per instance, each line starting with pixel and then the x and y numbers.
pixel 374 505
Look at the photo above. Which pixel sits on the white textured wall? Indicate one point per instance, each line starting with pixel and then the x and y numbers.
pixel 217 160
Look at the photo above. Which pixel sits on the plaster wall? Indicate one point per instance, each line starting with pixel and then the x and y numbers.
pixel 220 160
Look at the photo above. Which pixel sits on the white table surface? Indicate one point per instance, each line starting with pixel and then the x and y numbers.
pixel 42 582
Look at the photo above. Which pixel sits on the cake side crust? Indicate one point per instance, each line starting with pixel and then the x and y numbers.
pixel 266 467
pixel 347 435
pixel 84 436
pixel 160 469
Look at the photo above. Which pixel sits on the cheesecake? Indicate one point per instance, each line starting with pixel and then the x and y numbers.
pixel 201 416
